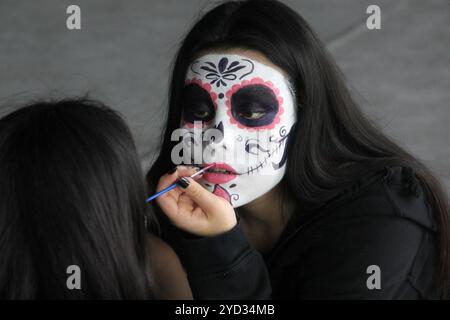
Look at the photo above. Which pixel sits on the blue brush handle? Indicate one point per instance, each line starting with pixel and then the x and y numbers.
pixel 156 195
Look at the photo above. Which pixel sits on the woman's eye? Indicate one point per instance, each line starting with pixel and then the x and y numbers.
pixel 254 106
pixel 197 104
pixel 200 114
pixel 251 115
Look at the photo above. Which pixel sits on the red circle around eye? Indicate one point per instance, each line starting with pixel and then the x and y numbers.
pixel 212 94
pixel 254 81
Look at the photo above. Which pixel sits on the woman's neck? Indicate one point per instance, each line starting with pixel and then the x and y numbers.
pixel 263 220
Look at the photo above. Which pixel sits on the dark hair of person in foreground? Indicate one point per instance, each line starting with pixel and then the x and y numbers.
pixel 71 193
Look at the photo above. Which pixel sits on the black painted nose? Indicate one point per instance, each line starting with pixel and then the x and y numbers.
pixel 218 139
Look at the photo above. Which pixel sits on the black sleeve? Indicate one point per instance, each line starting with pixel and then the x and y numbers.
pixel 390 234
pixel 224 267
pixel 220 267
pixel 395 250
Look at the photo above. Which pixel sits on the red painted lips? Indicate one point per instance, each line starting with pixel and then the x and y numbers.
pixel 220 173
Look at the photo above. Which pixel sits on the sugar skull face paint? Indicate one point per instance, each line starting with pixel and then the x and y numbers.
pixel 253 106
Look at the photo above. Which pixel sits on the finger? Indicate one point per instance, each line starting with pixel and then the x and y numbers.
pixel 168 201
pixel 178 172
pixel 173 194
pixel 202 197
pixel 186 171
pixel 168 205
pixel 186 203
pixel 164 182
pixel 170 177
pixel 198 212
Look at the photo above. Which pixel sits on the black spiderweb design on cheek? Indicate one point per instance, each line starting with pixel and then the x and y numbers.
pixel 253 147
pixel 284 138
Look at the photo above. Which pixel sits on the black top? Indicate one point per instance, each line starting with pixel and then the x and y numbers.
pixel 374 241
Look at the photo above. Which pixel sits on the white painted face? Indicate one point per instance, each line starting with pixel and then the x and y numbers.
pixel 253 106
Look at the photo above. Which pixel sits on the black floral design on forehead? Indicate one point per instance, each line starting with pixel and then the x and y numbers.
pixel 223 71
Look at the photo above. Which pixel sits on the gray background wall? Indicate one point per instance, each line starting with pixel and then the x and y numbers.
pixel 122 56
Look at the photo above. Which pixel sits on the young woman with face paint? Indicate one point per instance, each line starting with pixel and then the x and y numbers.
pixel 322 197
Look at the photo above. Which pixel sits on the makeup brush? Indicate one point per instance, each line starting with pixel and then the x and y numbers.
pixel 156 195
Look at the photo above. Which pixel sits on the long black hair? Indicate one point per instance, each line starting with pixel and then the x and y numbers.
pixel 71 193
pixel 332 143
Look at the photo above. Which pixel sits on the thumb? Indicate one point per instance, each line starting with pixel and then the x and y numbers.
pixel 202 197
